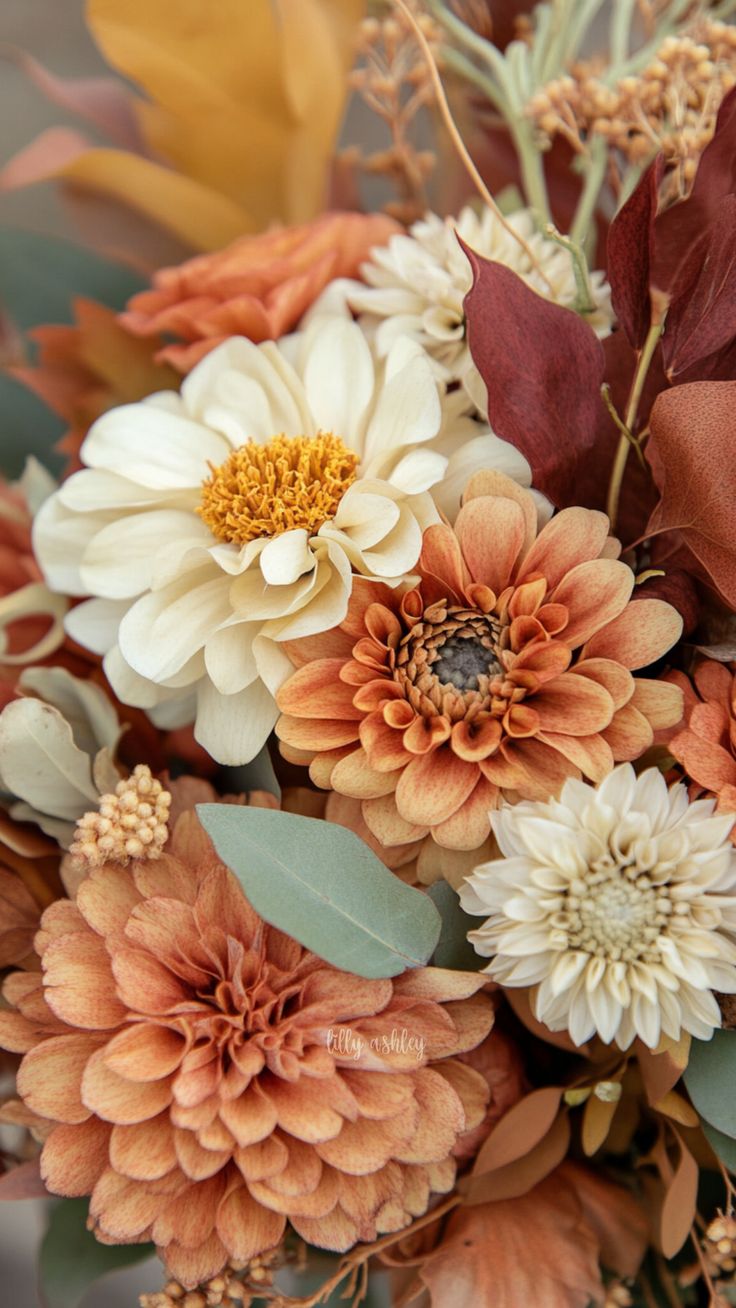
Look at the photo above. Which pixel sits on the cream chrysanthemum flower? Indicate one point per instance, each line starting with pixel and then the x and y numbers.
pixel 617 903
pixel 210 526
pixel 416 283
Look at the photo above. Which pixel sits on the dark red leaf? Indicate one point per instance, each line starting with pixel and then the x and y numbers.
pixel 680 226
pixel 701 319
pixel 630 253
pixel 693 436
pixel 678 589
pixel 543 368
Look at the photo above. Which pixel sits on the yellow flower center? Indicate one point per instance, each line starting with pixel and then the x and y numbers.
pixel 264 490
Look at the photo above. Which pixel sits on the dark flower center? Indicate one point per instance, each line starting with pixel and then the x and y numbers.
pixel 463 659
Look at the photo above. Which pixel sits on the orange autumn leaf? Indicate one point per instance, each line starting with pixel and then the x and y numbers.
pixel 544 1248
pixel 690 451
pixel 89 366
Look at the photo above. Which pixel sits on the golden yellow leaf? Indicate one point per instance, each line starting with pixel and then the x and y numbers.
pixel 244 96
pixel 196 215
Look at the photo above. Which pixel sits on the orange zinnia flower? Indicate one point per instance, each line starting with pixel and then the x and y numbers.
pixel 206 1078
pixel 259 287
pixel 706 746
pixel 503 672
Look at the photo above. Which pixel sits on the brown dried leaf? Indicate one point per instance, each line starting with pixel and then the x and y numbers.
pixel 661 1068
pixel 519 1130
pixel 598 1115
pixel 680 1200
pixel 518 1177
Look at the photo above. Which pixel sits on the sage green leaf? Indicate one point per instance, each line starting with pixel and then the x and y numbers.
pixel 722 1145
pixel 321 884
pixel 82 704
pixel 710 1077
pixel 41 275
pixel 454 950
pixel 28 427
pixel 40 763
pixel 256 775
pixel 72 1259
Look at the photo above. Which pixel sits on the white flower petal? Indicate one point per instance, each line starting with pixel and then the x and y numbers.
pixel 159 450
pixel 232 728
pixel 163 629
pixel 229 657
pixel 285 558
pixel 95 623
pixel 119 560
pixel 339 378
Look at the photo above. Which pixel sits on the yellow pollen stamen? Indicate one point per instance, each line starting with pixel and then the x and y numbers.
pixel 132 823
pixel 264 490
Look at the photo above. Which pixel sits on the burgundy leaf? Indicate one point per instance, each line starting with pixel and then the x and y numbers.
pixel 693 436
pixel 543 368
pixel 680 226
pixel 630 253
pixel 701 319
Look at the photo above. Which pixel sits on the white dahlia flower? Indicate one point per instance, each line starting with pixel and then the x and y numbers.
pixel 416 284
pixel 211 525
pixel 618 903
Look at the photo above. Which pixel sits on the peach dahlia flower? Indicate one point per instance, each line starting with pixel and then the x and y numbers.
pixel 259 287
pixel 705 745
pixel 504 671
pixel 206 1079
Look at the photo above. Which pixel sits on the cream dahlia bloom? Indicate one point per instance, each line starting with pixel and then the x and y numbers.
pixel 617 903
pixel 416 283
pixel 213 524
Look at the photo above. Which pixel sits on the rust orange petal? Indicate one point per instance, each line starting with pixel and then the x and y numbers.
pixel 638 636
pixel 491 557
pixel 571 537
pixel 433 786
pixel 594 594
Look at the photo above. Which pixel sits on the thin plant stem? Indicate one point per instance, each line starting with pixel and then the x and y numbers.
pixel 632 408
pixel 595 175
pixel 460 145
pixel 362 1253
pixel 620 31
pixel 667 1283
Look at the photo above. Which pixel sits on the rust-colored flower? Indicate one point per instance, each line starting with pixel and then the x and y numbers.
pixel 206 1078
pixel 504 671
pixel 259 287
pixel 706 744
pixel 89 366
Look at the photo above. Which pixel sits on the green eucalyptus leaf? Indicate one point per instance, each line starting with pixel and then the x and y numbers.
pixel 724 1146
pixel 41 275
pixel 710 1077
pixel 27 426
pixel 321 884
pixel 454 950
pixel 71 1259
pixel 256 775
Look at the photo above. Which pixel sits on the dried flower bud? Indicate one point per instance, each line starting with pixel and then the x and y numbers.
pixel 132 823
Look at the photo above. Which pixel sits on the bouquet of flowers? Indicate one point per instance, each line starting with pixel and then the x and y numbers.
pixel 368 657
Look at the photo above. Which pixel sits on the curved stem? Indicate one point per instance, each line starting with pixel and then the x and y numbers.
pixel 632 408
